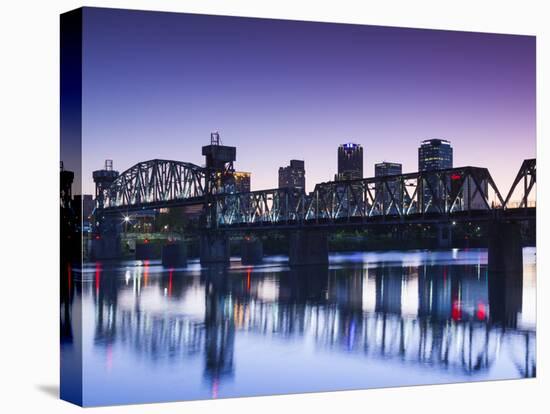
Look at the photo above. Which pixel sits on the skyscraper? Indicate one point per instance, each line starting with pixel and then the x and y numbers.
pixel 384 169
pixel 293 175
pixel 350 162
pixel 242 181
pixel 435 154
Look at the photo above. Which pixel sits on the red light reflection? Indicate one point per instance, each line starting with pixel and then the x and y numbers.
pixel 456 311
pixel 170 275
pixel 481 312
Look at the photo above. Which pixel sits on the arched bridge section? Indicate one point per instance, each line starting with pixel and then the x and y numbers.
pixel 156 184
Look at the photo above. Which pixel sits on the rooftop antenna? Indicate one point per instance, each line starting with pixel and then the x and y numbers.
pixel 215 138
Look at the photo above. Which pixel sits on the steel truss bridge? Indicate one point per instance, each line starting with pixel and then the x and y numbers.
pixel 466 193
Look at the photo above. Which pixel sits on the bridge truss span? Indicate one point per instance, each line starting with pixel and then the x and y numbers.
pixel 440 192
pixel 155 183
pixel 280 205
pixel 441 195
pixel 528 176
pixel 455 193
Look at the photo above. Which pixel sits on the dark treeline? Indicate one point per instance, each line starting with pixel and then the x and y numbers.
pixel 381 237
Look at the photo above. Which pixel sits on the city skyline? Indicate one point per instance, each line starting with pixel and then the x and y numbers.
pixel 376 166
pixel 301 89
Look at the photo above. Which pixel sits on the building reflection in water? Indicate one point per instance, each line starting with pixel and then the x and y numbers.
pixel 452 317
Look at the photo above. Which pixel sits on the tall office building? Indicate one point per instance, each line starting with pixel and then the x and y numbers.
pixel 350 162
pixel 435 154
pixel 242 181
pixel 232 181
pixel 384 169
pixel 293 175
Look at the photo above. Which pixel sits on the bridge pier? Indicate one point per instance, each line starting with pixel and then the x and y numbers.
pixel 252 251
pixel 505 263
pixel 145 251
pixel 505 249
pixel 308 247
pixel 174 255
pixel 105 247
pixel 444 236
pixel 214 248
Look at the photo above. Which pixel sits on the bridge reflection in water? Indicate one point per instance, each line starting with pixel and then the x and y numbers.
pixel 191 333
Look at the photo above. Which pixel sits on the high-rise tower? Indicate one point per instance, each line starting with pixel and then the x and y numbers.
pixel 350 162
pixel 435 154
pixel 293 175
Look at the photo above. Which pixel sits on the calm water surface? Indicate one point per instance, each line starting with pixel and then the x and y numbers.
pixel 368 320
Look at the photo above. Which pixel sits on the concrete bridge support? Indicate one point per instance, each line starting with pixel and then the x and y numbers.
pixel 214 248
pixel 145 251
pixel 308 247
pixel 105 247
pixel 174 255
pixel 505 263
pixel 252 251
pixel 505 248
pixel 444 236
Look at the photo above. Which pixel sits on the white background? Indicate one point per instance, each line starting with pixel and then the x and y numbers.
pixel 29 137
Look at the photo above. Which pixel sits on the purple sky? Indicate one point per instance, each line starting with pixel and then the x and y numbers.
pixel 156 84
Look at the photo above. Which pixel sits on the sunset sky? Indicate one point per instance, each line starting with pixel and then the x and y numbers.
pixel 156 84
